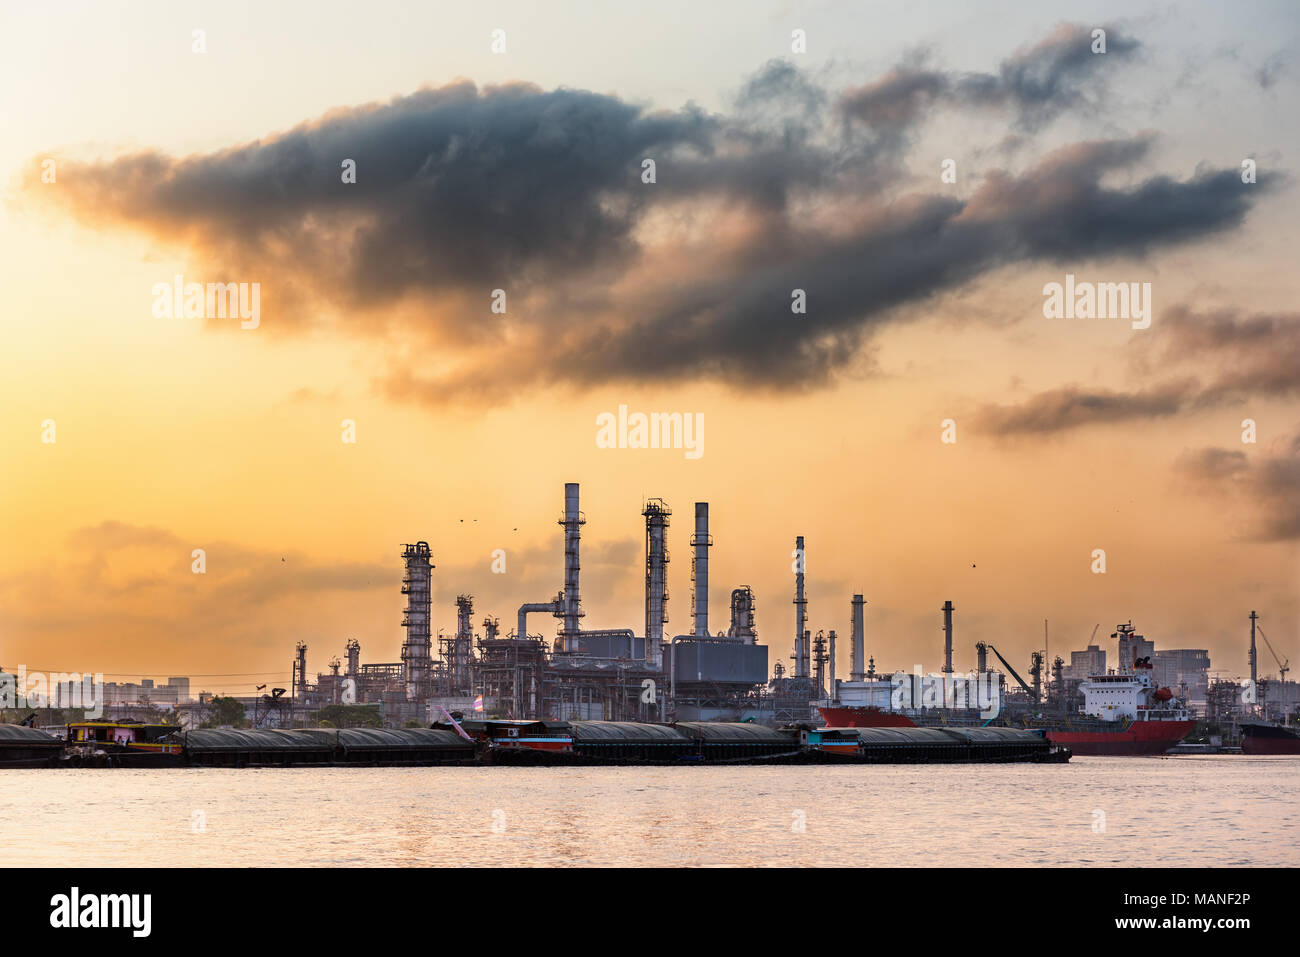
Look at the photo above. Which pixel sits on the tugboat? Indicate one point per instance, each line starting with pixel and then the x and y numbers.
pixel 122 744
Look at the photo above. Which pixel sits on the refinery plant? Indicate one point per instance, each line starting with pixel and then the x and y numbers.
pixel 614 674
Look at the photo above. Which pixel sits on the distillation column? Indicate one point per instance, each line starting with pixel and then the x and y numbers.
pixel 656 582
pixel 417 586
pixel 800 613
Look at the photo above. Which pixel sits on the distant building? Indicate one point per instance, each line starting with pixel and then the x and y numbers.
pixel 1090 661
pixel 146 692
pixel 1177 667
pixel 182 686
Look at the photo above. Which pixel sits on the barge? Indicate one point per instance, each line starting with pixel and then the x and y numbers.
pixel 541 743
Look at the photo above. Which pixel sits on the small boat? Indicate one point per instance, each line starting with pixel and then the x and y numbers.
pixel 126 744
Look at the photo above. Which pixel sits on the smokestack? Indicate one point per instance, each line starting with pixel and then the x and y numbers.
pixel 947 637
pixel 417 587
pixel 572 521
pixel 981 657
pixel 700 570
pixel 859 641
pixel 656 582
pixel 800 614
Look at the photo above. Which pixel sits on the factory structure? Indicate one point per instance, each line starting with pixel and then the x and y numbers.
pixel 614 674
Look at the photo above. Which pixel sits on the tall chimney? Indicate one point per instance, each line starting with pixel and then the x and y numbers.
pixel 656 583
pixel 800 613
pixel 947 637
pixel 571 612
pixel 700 570
pixel 857 672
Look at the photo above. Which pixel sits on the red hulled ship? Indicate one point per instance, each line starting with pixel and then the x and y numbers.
pixel 1123 713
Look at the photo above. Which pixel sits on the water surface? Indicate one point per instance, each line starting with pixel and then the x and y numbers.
pixel 1167 812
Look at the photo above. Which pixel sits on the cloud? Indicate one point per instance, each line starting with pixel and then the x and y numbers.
pixel 1264 483
pixel 1237 358
pixel 461 190
pixel 144 574
pixel 1038 83
pixel 1073 406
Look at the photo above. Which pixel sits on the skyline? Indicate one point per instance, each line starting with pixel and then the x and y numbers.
pixel 522 171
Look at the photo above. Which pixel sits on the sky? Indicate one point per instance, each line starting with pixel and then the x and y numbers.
pixel 921 171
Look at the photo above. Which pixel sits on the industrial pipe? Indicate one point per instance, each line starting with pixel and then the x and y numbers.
pixel 554 607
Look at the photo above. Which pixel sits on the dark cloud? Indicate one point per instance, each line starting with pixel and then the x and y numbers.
pixel 455 186
pixel 739 327
pixel 1038 83
pixel 461 190
pixel 1073 406
pixel 1265 483
pixel 1237 357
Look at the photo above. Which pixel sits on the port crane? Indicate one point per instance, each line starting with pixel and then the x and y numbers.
pixel 1006 664
pixel 1282 666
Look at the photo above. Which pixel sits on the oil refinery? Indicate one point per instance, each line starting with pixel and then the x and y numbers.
pixel 614 674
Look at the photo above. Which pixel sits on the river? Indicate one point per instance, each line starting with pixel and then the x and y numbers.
pixel 1168 812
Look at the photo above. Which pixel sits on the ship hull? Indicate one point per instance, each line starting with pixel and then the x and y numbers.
pixel 1268 739
pixel 1139 738
pixel 864 718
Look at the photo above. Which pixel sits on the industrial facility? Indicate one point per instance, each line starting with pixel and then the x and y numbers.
pixel 580 673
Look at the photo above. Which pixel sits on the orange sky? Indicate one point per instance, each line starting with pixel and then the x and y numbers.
pixel 177 434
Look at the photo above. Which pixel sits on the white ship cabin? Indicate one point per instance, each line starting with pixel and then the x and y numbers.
pixel 872 693
pixel 1132 697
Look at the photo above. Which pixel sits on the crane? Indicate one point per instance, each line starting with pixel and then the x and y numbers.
pixel 1282 666
pixel 1021 681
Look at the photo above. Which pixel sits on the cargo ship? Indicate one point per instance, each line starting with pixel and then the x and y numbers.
pixel 1123 713
pixel 1260 737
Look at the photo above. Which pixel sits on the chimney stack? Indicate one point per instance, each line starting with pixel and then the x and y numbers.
pixel 947 637
pixel 800 613
pixel 857 672
pixel 700 570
